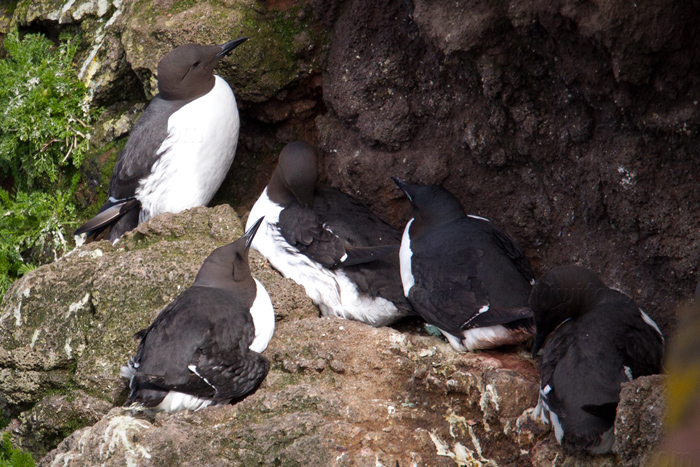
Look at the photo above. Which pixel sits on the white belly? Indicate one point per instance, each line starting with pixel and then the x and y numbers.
pixel 405 256
pixel 331 290
pixel 263 318
pixel 196 155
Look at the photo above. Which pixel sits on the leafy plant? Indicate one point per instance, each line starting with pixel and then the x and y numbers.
pixel 33 222
pixel 44 123
pixel 11 457
pixel 44 111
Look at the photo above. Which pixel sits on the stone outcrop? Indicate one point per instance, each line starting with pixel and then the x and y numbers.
pixel 66 328
pixel 338 392
pixel 572 124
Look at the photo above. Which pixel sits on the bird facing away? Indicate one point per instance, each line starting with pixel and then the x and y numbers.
pixel 463 274
pixel 594 338
pixel 180 149
pixel 205 347
pixel 344 256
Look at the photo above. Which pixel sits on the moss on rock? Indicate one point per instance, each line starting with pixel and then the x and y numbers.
pixel 283 46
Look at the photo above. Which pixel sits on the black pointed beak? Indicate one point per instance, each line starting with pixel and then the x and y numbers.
pixel 250 233
pixel 539 341
pixel 228 47
pixel 402 184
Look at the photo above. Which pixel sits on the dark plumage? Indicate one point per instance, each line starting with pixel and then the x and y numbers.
pixel 344 255
pixel 138 189
pixel 462 273
pixel 594 338
pixel 204 347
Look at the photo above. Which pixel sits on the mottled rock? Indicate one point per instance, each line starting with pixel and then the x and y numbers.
pixel 53 418
pixel 356 396
pixel 640 419
pixel 70 324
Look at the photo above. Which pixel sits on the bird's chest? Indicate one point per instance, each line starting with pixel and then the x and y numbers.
pixel 195 156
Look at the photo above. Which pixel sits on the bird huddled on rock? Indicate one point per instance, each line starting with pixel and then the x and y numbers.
pixel 462 273
pixel 344 256
pixel 205 347
pixel 180 149
pixel 593 338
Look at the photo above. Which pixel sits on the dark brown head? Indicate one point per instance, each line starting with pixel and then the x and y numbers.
pixel 431 205
pixel 227 266
pixel 188 71
pixel 295 176
pixel 560 294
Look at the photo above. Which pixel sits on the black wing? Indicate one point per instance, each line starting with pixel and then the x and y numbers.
pixel 361 229
pixel 137 159
pixel 199 345
pixel 447 292
pixel 306 231
pixel 643 348
pixel 511 249
pixel 584 372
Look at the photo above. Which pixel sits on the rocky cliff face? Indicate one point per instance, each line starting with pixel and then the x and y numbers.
pixel 338 392
pixel 571 124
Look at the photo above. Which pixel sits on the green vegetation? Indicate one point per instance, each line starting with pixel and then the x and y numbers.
pixel 46 115
pixel 43 141
pixel 10 457
pixel 33 221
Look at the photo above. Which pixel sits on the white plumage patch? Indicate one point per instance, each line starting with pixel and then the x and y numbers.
pixel 647 319
pixel 478 217
pixel 263 318
pixel 176 401
pixel 483 338
pixel 405 255
pixel 330 289
pixel 195 156
pixel 628 373
pixel 545 414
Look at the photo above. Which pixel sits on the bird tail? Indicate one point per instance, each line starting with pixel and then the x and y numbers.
pixel 110 213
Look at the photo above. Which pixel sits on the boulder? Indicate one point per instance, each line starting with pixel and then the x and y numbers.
pixel 68 325
pixel 639 425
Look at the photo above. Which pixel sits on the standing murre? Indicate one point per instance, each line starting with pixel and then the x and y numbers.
pixel 180 149
pixel 205 347
pixel 344 256
pixel 594 338
pixel 462 273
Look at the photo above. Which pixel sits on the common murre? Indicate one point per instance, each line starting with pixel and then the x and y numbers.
pixel 205 347
pixel 180 149
pixel 593 338
pixel 462 273
pixel 344 256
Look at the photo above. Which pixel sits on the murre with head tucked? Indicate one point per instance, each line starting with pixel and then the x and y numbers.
pixel 338 250
pixel 180 149
pixel 205 347
pixel 594 338
pixel 463 274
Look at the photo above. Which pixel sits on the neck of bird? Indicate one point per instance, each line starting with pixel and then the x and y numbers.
pixel 278 192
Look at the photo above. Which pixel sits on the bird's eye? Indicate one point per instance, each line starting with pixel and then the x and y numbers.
pixel 195 64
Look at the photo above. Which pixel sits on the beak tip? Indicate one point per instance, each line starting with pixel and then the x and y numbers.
pixel 228 47
pixel 250 233
pixel 399 182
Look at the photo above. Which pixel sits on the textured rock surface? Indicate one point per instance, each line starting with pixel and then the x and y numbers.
pixel 640 419
pixel 558 119
pixel 338 393
pixel 572 124
pixel 69 324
